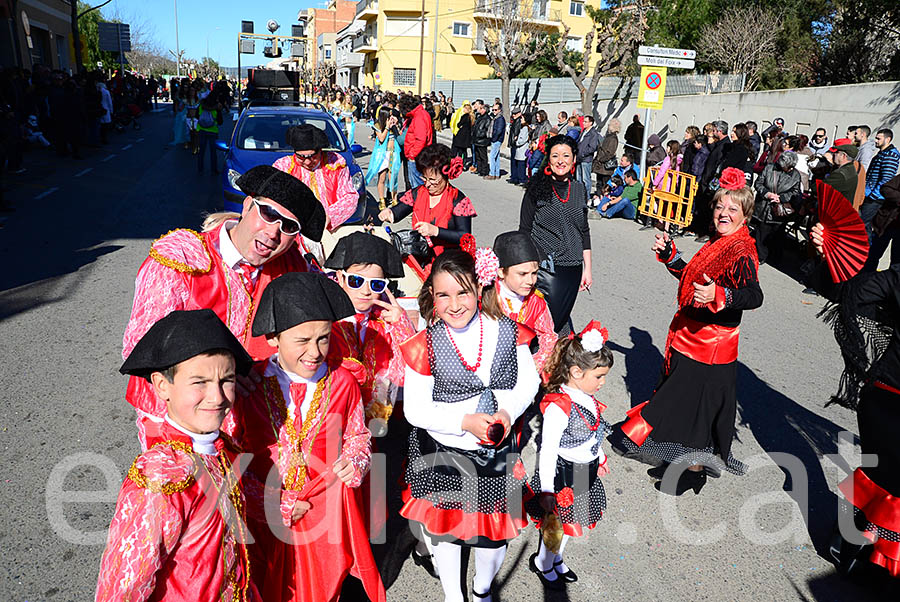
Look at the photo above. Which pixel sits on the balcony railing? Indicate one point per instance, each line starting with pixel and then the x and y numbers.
pixel 367 7
pixel 365 41
pixel 540 9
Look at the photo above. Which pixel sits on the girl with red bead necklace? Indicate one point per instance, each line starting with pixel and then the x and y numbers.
pixel 570 460
pixel 469 377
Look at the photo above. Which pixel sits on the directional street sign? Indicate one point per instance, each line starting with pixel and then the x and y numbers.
pixel 680 53
pixel 653 88
pixel 658 61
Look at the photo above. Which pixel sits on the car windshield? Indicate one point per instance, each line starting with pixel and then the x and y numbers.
pixel 267 131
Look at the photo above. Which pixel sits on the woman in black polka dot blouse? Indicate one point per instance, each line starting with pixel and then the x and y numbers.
pixel 554 213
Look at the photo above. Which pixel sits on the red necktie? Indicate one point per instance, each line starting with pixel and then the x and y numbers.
pixel 247 272
pixel 360 322
pixel 298 394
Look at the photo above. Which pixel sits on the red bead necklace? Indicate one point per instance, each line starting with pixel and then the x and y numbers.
pixel 596 425
pixel 568 193
pixel 480 346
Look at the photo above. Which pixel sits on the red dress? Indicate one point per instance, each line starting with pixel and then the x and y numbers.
pixel 174 537
pixel 535 314
pixel 329 542
pixel 185 271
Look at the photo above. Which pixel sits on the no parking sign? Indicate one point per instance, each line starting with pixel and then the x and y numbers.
pixel 653 88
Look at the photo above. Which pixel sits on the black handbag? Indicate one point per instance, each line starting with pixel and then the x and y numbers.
pixel 410 242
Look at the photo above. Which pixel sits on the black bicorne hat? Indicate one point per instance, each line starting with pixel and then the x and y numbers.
pixel 180 336
pixel 306 137
pixel 298 297
pixel 289 192
pixel 362 247
pixel 513 248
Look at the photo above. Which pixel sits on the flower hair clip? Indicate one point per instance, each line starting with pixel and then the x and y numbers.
pixel 732 178
pixel 453 170
pixel 467 244
pixel 594 336
pixel 486 266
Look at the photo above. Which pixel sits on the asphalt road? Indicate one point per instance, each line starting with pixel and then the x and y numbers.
pixel 72 249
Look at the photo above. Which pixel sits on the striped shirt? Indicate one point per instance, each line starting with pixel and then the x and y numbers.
pixel 882 168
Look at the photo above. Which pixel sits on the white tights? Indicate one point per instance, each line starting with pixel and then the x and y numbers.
pixel 448 559
pixel 546 559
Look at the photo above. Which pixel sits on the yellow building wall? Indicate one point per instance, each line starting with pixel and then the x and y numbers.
pixel 455 59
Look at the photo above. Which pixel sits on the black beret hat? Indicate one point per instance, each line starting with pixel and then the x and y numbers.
pixel 361 247
pixel 180 336
pixel 306 137
pixel 513 248
pixel 298 297
pixel 289 192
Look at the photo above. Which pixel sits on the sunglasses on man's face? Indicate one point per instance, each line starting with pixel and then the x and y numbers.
pixel 306 157
pixel 376 285
pixel 270 215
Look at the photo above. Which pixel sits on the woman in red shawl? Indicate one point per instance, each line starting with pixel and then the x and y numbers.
pixel 689 420
pixel 440 212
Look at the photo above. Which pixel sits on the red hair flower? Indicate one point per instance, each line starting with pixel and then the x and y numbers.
pixel 467 244
pixel 732 178
pixel 519 470
pixel 565 498
pixel 455 168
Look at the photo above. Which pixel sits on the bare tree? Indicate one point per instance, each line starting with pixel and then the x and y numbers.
pixel 728 45
pixel 618 31
pixel 512 39
pixel 325 71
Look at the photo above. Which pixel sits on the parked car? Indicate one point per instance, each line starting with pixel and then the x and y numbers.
pixel 259 139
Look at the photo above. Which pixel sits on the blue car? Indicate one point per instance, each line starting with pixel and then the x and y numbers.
pixel 259 139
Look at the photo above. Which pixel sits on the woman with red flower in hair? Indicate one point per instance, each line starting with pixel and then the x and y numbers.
pixel 440 212
pixel 688 423
pixel 570 461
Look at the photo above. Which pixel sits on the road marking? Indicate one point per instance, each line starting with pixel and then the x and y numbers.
pixel 45 193
pixel 126 147
pixel 83 171
pixel 108 158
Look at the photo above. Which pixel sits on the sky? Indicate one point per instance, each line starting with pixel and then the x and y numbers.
pixel 219 21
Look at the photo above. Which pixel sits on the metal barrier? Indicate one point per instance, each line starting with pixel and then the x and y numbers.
pixel 673 201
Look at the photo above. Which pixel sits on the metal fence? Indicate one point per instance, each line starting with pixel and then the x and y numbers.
pixel 523 91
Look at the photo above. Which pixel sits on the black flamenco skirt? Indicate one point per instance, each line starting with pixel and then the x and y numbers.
pixel 874 491
pixel 690 417
pixel 560 290
pixel 471 497
pixel 580 497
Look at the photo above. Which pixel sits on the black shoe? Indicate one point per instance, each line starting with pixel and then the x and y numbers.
pixel 658 472
pixel 689 479
pixel 810 291
pixel 425 562
pixel 484 595
pixel 556 584
pixel 569 576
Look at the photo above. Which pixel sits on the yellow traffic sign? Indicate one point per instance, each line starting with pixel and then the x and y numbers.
pixel 653 88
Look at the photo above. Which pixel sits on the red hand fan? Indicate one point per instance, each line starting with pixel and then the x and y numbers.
pixel 846 244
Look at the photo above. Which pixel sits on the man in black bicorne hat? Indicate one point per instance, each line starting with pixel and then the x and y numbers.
pixel 225 268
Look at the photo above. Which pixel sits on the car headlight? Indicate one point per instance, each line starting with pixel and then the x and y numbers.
pixel 233 178
pixel 357 180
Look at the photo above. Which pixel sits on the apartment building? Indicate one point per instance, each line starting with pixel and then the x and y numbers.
pixel 391 36
pixel 338 15
pixel 36 32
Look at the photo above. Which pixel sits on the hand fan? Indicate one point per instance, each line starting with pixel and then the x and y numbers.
pixel 846 244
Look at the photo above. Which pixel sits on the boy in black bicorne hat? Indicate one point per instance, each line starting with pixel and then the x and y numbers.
pixel 306 421
pixel 172 529
pixel 368 343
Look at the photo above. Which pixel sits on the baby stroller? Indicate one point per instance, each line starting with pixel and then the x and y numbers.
pixel 127 115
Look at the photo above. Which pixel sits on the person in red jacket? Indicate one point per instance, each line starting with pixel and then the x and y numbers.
pixel 224 268
pixel 419 134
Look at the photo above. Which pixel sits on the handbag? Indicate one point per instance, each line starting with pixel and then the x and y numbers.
pixel 779 209
pixel 410 242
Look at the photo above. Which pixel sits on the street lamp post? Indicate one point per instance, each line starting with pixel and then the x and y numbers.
pixel 177 48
